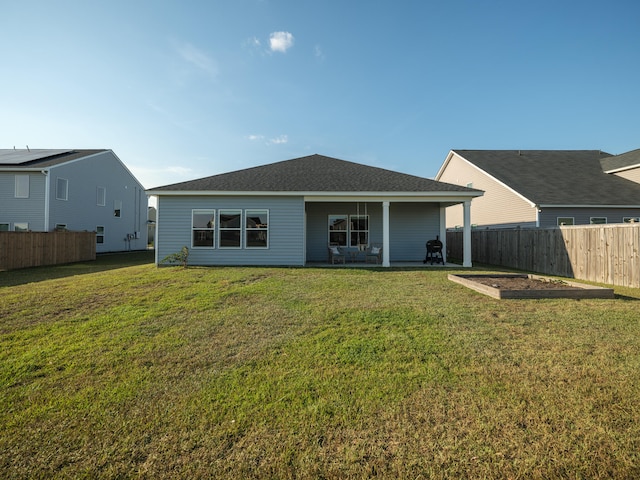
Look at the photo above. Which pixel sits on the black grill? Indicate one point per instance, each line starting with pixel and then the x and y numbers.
pixel 434 252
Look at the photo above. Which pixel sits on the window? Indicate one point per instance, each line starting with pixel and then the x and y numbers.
pixel 349 231
pixel 62 189
pixel 203 224
pixel 631 219
pixel 230 227
pixel 4 227
pixel 565 221
pixel 117 208
pixel 256 228
pixel 338 229
pixel 60 227
pixel 21 227
pixel 598 220
pixel 99 234
pixel 359 230
pixel 22 186
pixel 101 196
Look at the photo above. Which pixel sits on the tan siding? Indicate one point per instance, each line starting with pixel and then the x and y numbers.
pixel 631 174
pixel 498 206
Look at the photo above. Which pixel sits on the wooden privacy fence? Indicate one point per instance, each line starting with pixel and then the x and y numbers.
pixel 599 253
pixel 34 249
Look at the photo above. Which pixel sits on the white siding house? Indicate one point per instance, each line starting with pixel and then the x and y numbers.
pixel 75 190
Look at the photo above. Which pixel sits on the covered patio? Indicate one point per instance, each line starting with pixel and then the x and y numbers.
pixel 399 226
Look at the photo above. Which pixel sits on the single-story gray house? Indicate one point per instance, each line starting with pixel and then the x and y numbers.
pixel 287 213
pixel 545 188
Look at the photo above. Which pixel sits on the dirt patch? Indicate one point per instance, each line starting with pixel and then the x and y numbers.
pixel 524 283
pixel 529 286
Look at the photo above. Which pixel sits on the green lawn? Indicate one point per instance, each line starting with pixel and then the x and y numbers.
pixel 121 369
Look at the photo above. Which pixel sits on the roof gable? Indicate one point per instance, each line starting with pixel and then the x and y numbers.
pixel 620 162
pixel 313 173
pixel 556 177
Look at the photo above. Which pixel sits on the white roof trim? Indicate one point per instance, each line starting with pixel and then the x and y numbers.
pixel 549 205
pixel 406 196
pixel 622 169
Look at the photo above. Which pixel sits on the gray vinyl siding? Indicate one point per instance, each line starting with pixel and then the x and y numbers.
pixel 498 207
pixel 410 225
pixel 81 211
pixel 18 210
pixel 286 230
pixel 582 216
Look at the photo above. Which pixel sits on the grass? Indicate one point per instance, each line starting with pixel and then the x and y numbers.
pixel 120 369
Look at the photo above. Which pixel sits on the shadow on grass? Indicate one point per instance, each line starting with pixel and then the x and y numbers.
pixel 103 262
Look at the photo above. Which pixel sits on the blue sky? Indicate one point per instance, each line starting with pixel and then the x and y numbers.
pixel 187 89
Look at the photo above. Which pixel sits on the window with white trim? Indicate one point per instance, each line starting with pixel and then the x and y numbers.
pixel 99 234
pixel 203 224
pixel 359 226
pixel 117 208
pixel 229 228
pixel 21 227
pixel 62 189
pixel 60 227
pixel 338 229
pixel 101 196
pixel 561 221
pixel 631 219
pixel 598 220
pixel 256 228
pixel 22 186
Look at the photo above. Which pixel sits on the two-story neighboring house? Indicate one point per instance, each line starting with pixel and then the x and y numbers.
pixel 545 188
pixel 75 190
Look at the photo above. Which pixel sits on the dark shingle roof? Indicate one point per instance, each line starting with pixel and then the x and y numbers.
pixel 314 173
pixel 622 161
pixel 556 177
pixel 45 158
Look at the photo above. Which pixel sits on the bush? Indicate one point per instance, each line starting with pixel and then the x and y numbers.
pixel 181 257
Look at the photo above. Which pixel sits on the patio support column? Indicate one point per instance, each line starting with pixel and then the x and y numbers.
pixel 443 233
pixel 385 234
pixel 466 235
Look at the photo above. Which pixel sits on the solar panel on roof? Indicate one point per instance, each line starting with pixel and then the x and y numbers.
pixel 17 157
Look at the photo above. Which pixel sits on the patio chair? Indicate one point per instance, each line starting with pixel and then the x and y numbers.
pixel 335 254
pixel 374 254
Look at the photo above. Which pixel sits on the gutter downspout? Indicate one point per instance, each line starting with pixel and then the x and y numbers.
pixel 47 189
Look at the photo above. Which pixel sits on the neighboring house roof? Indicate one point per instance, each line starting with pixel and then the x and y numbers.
pixel 314 173
pixel 40 158
pixel 555 177
pixel 621 162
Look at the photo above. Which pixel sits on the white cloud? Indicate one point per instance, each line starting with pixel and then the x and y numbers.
pixel 319 53
pixel 280 41
pixel 197 58
pixel 278 140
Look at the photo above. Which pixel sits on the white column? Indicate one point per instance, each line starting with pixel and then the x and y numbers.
pixel 385 234
pixel 443 233
pixel 466 235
